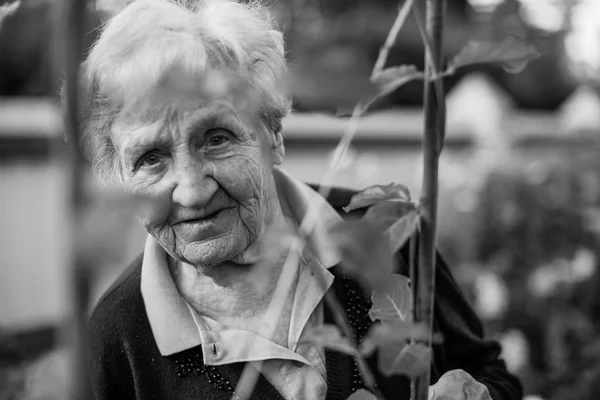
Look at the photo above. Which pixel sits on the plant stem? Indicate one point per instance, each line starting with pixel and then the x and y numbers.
pixel 340 318
pixel 251 371
pixel 250 375
pixel 432 71
pixel 310 218
pixel 391 37
pixel 434 131
pixel 80 272
pixel 414 281
pixel 413 273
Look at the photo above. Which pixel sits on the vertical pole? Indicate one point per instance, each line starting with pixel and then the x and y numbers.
pixel 434 111
pixel 79 271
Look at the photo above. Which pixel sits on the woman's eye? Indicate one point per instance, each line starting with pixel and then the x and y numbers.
pixel 150 159
pixel 218 139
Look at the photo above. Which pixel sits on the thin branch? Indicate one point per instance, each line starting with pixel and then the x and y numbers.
pixel 434 66
pixel 429 52
pixel 309 220
pixel 434 132
pixel 340 318
pixel 308 223
pixel 413 273
pixel 80 279
pixel 391 37
pixel 414 281
pixel 249 374
pixel 352 125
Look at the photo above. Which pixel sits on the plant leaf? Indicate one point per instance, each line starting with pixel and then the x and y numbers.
pixel 277 241
pixel 402 230
pixel 109 216
pixel 457 384
pixel 413 360
pixel 392 301
pixel 388 80
pixel 398 218
pixel 337 75
pixel 387 355
pixel 396 355
pixel 389 211
pixel 393 335
pixel 376 194
pixel 512 53
pixel 392 78
pixel 330 336
pixel 364 251
pixel 362 394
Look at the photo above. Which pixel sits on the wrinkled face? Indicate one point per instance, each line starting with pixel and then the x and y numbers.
pixel 208 173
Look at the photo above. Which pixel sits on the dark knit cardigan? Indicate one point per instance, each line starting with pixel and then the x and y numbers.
pixel 126 364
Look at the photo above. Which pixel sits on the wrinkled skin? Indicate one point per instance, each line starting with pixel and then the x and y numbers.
pixel 207 170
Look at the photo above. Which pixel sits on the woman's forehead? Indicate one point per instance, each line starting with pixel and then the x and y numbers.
pixel 183 89
pixel 163 119
pixel 166 108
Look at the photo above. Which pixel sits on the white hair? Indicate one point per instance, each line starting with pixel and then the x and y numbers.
pixel 149 41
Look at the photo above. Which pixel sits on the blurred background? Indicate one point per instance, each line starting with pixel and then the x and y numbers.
pixel 519 175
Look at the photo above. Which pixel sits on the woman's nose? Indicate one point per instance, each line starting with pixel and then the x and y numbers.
pixel 194 185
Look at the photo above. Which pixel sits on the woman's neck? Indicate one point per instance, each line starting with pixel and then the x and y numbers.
pixel 233 291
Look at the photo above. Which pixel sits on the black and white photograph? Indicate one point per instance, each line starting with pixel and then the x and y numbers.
pixel 299 199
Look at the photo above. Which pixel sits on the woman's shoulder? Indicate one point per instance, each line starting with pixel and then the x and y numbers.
pixel 339 197
pixel 122 301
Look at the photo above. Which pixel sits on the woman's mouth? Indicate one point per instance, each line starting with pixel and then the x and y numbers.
pixel 200 218
pixel 208 218
pixel 201 228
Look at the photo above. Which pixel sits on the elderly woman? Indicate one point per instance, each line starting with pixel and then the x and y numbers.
pixel 183 103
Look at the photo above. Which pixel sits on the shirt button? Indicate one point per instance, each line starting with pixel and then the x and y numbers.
pixel 298 364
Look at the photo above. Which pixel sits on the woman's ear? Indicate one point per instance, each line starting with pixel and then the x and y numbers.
pixel 277 148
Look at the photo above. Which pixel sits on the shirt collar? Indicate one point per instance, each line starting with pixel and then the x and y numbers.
pixel 170 319
pixel 173 328
pixel 299 197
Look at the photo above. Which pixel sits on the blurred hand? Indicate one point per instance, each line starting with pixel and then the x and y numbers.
pixel 458 385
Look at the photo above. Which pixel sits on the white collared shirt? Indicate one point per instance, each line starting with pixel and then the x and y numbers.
pixel 297 370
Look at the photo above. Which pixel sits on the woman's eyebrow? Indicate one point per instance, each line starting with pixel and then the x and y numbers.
pixel 143 139
pixel 220 114
pixel 201 121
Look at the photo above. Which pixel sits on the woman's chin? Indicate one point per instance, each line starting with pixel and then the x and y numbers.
pixel 212 252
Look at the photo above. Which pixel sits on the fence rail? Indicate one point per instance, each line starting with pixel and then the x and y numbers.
pixel 31 127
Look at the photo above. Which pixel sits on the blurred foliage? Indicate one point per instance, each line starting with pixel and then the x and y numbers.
pixel 532 267
pixel 21 355
pixel 338 39
pixel 529 256
pixel 31 51
pixel 343 38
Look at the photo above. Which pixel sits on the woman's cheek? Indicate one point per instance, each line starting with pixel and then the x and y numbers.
pixel 155 212
pixel 155 203
pixel 240 176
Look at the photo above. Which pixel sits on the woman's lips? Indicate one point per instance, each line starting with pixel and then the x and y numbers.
pixel 200 228
pixel 197 219
pixel 208 218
